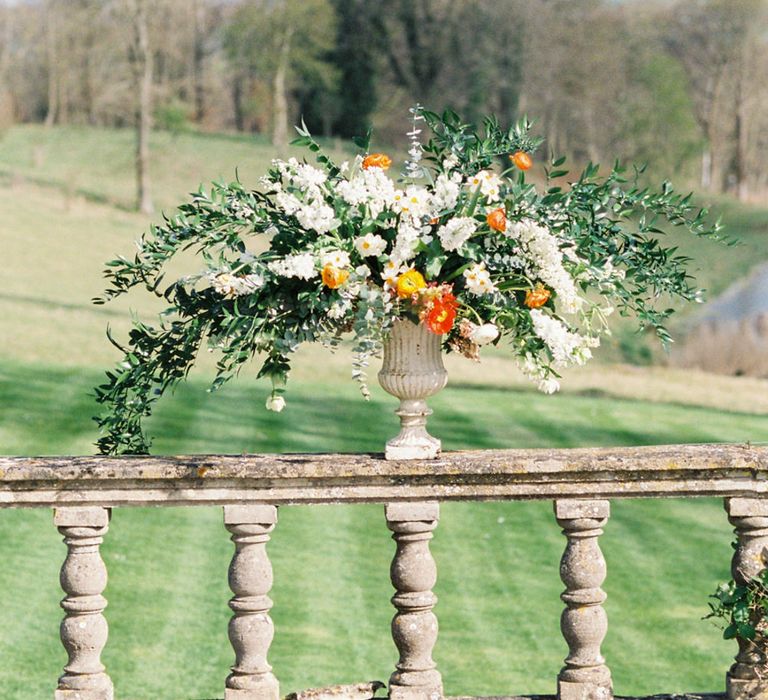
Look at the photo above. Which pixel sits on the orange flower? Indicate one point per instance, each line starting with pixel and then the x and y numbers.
pixel 522 160
pixel 442 315
pixel 409 283
pixel 334 277
pixel 377 160
pixel 497 219
pixel 535 298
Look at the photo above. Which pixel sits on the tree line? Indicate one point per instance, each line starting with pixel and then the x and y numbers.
pixel 681 84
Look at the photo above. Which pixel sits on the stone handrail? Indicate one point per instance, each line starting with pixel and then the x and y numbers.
pixel 83 490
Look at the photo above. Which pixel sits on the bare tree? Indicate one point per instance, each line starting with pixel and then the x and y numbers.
pixel 141 61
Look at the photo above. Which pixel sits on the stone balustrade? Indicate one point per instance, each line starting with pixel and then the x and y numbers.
pixel 581 482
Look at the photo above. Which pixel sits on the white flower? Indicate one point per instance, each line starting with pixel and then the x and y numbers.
pixel 488 182
pixel 408 233
pixel 224 283
pixel 301 266
pixel 363 271
pixel 370 244
pixel 337 258
pixel 275 403
pixel 478 280
pixel 549 386
pixel 450 162
pixel 308 176
pixel 339 309
pixel 392 270
pixel 456 232
pixel 447 190
pixel 415 201
pixel 317 216
pixel 287 202
pixel 544 260
pixel 482 335
pixel 567 347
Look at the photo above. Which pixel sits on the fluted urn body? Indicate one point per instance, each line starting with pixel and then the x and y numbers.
pixel 412 371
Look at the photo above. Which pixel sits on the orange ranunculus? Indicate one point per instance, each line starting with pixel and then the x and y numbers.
pixel 409 283
pixel 442 315
pixel 535 298
pixel 377 160
pixel 334 277
pixel 522 160
pixel 497 219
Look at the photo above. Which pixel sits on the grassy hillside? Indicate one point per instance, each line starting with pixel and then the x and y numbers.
pixel 64 194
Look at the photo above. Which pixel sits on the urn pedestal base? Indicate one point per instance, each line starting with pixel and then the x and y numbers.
pixel 413 441
pixel 412 371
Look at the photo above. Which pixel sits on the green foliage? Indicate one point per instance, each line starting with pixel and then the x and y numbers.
pixel 604 230
pixel 744 612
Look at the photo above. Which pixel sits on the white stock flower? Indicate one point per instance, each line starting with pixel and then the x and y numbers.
pixel 478 280
pixel 456 232
pixel 544 260
pixel 370 244
pixel 308 176
pixel 447 188
pixel 275 403
pixel 301 266
pixel 287 202
pixel 482 335
pixel 567 347
pixel 318 217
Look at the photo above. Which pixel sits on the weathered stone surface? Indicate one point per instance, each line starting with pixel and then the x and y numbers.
pixel 84 629
pixel 681 470
pixel 250 578
pixel 583 623
pixel 356 691
pixel 746 679
pixel 414 626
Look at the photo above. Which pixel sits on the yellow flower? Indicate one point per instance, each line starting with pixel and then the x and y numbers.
pixel 409 283
pixel 333 277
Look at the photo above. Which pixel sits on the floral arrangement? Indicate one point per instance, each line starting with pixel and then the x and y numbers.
pixel 460 242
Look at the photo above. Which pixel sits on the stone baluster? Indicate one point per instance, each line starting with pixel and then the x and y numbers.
pixel 749 517
pixel 414 626
pixel 583 622
pixel 250 578
pixel 84 628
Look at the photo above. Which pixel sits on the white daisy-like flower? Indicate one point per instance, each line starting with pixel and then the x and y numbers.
pixel 371 244
pixel 414 201
pixel 478 280
pixel 337 258
pixel 392 270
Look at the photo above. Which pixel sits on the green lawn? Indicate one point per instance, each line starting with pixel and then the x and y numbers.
pixel 64 194
pixel 498 582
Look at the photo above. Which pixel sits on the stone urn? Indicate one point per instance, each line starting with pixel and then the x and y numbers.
pixel 412 371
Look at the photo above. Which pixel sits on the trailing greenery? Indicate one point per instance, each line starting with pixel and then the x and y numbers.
pixel 458 242
pixel 743 609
